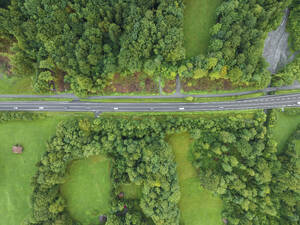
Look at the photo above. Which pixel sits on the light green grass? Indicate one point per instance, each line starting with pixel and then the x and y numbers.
pixel 285 127
pixel 199 17
pixel 197 205
pixel 281 92
pixel 15 85
pixel 204 99
pixel 87 189
pixel 161 115
pixel 36 99
pixel 17 170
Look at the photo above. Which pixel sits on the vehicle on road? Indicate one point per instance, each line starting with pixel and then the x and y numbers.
pixel 181 108
pixel 41 107
pixel 116 108
pixel 16 107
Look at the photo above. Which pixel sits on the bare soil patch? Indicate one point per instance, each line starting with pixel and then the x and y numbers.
pixel 138 82
pixel 60 84
pixel 169 86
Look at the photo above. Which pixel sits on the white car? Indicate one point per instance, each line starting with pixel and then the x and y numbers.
pixel 41 107
pixel 298 103
pixel 181 108
pixel 116 108
pixel 16 107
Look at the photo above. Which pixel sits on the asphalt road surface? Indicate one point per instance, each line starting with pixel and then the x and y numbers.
pixel 265 102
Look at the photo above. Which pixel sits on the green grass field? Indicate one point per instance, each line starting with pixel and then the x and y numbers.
pixel 17 170
pixel 199 17
pixel 285 127
pixel 197 205
pixel 87 189
pixel 204 99
pixel 15 85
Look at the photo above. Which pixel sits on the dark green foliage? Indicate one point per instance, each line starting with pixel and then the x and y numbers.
pixel 286 185
pixel 235 157
pixel 288 74
pixel 139 155
pixel 92 40
pixel 239 162
pixel 237 40
pixel 8 116
pixel 294 25
pixel 4 3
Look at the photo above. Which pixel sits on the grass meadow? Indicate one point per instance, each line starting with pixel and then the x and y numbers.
pixel 87 189
pixel 285 127
pixel 15 85
pixel 17 170
pixel 197 205
pixel 199 17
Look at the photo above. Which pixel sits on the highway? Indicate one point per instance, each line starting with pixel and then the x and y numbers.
pixel 264 102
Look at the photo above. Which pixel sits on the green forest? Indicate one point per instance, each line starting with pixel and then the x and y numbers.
pixel 166 161
pixel 85 46
pixel 235 156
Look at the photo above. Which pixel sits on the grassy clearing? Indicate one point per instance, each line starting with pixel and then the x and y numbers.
pixel 87 189
pixel 35 99
pixel 197 205
pixel 205 99
pixel 17 170
pixel 205 114
pixel 287 92
pixel 199 17
pixel 285 127
pixel 15 85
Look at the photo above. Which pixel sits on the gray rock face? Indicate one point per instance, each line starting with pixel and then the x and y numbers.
pixel 276 51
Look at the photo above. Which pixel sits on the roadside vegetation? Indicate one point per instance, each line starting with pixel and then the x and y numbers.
pixel 186 99
pixel 15 85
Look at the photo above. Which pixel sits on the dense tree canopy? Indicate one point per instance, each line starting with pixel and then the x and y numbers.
pixel 89 41
pixel 294 25
pixel 237 40
pixel 84 43
pixel 235 156
pixel 288 74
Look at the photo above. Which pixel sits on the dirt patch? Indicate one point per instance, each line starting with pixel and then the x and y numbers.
pixel 138 82
pixel 169 86
pixel 205 84
pixel 60 84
